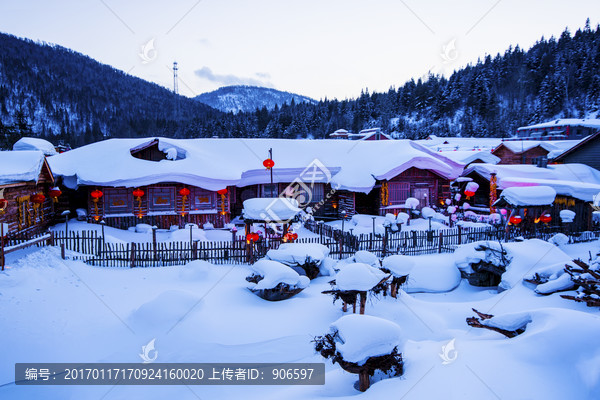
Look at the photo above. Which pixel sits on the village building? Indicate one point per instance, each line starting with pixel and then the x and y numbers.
pixel 168 182
pixel 530 151
pixel 575 186
pixel 566 128
pixel 26 196
pixel 586 151
pixel 365 134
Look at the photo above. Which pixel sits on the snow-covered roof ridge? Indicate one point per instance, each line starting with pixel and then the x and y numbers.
pixel 576 180
pixel 554 147
pixel 20 166
pixel 216 163
pixel 587 122
pixel 31 143
pixel 524 196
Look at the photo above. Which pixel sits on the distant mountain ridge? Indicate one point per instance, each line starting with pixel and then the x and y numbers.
pixel 240 98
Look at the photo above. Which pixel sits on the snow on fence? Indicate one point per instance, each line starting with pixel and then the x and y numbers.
pixel 8 244
pixel 90 247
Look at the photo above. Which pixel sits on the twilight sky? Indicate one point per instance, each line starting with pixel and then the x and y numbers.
pixel 327 48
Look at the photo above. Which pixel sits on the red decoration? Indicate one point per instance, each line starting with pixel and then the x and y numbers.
pixel 3 204
pixel 222 192
pixel 546 218
pixel 138 193
pixel 515 219
pixel 252 237
pixel 469 193
pixel 268 163
pixel 54 193
pixel 96 194
pixel 38 198
pixel 184 191
pixel 290 237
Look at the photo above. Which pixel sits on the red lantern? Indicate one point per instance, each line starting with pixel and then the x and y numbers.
pixel 469 193
pixel 96 194
pixel 138 194
pixel 38 198
pixel 184 191
pixel 515 219
pixel 546 218
pixel 222 192
pixel 3 204
pixel 268 163
pixel 54 193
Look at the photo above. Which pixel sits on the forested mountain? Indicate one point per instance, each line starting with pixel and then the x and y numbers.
pixel 249 98
pixel 52 90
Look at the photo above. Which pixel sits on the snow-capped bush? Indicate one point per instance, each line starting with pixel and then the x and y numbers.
pixel 412 203
pixel 427 212
pixel 398 265
pixel 358 276
pixel 275 281
pixel 567 216
pixel 451 209
pixel 560 239
pixel 305 258
pixel 208 226
pixel 402 218
pixel 143 228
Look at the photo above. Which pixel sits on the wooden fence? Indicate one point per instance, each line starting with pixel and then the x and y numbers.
pixel 8 244
pixel 90 246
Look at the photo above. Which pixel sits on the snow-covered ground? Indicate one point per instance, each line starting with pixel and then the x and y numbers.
pixel 65 311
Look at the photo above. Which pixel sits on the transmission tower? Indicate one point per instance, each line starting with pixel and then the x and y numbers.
pixel 175 86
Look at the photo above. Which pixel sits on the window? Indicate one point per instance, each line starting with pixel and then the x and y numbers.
pixel 203 199
pixel 398 192
pixel 269 190
pixel 161 199
pixel 117 201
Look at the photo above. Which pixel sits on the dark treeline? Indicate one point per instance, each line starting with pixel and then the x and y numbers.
pixel 53 92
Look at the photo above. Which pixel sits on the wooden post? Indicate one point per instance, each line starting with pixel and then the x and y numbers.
pixel 132 257
pixel 394 290
pixel 440 241
pixel 2 261
pixel 459 234
pixel 195 251
pixel 154 251
pixel 363 302
pixel 51 240
pixel 62 251
pixel 344 306
pixel 363 380
pixel 385 242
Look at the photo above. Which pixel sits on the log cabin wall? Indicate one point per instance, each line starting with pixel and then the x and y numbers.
pixel 415 182
pixel 508 157
pixel 20 214
pixel 161 205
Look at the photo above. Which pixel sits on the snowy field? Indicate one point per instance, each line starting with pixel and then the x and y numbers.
pixel 65 311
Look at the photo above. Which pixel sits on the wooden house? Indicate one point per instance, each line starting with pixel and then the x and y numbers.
pixel 528 151
pixel 575 186
pixel 26 205
pixel 586 151
pixel 566 128
pixel 167 182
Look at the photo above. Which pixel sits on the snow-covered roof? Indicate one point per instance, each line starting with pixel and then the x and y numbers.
pixel 575 180
pixel 587 122
pixel 271 209
pixel 29 143
pixel 20 166
pixel 216 163
pixel 466 157
pixel 444 144
pixel 524 196
pixel 554 148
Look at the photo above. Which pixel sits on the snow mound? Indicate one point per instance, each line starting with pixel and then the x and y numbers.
pixel 427 212
pixel 468 254
pixel 366 257
pixel 399 265
pixel 509 322
pixel 432 277
pixel 363 336
pixel 274 273
pixel 402 218
pixel 143 228
pixel 165 310
pixel 358 276
pixel 271 209
pixel 560 239
pixel 195 271
pixel 299 253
